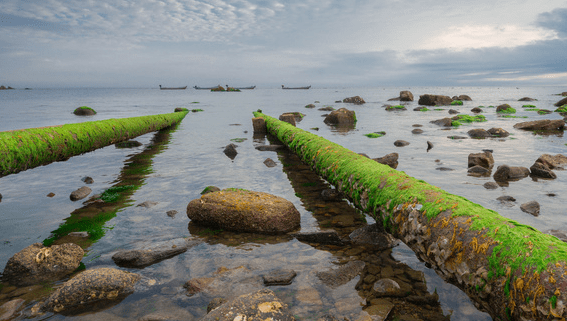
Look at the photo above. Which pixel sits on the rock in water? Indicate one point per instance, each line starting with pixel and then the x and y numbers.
pixel 80 193
pixel 341 116
pixel 147 256
pixel 241 210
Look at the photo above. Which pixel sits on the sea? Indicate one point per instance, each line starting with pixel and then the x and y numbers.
pixel 182 161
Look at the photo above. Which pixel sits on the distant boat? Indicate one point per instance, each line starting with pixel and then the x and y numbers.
pixel 251 87
pixel 306 87
pixel 172 88
pixel 205 88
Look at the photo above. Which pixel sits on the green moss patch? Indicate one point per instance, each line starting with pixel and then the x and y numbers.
pixel 562 109
pixel 457 102
pixel 460 119
pixel 528 106
pixel 511 116
pixel 509 110
pixel 375 134
pixel 196 110
pixel 238 140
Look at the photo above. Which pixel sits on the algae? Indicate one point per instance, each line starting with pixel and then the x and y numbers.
pixel 456 102
pixel 509 110
pixel 375 134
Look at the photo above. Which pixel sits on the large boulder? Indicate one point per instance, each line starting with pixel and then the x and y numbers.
pixel 542 170
pixel 504 173
pixel 37 263
pixel 561 102
pixel 357 100
pixel 146 256
pixel 462 98
pixel 260 305
pixel 483 159
pixel 544 124
pixel 244 211
pixel 406 95
pixel 342 116
pixel 432 100
pixel 552 161
pixel 103 285
pixel 479 133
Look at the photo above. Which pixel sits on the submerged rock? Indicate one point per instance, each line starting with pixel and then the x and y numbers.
pixel 331 195
pixel 526 99
pixel 241 210
pixel 103 285
pixel 375 236
pixel 320 237
pixel 128 144
pixel 160 251
pixel 37 263
pixel 544 124
pixel 341 275
pixel 531 207
pixel 279 277
pixel 80 193
pixel 269 162
pixel 8 309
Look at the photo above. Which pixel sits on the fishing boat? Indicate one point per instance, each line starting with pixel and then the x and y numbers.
pixel 251 87
pixel 204 88
pixel 172 88
pixel 306 87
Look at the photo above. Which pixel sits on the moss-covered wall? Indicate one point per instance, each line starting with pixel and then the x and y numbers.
pixel 28 148
pixel 511 270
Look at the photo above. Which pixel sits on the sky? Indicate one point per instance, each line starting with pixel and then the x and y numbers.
pixel 267 43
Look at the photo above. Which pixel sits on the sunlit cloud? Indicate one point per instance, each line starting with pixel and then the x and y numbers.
pixel 531 77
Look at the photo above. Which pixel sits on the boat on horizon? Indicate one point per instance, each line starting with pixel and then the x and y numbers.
pixel 250 87
pixel 306 87
pixel 172 88
pixel 209 88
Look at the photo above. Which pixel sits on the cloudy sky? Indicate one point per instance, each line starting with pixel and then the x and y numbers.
pixel 324 43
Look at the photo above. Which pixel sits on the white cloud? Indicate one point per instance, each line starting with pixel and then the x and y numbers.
pixel 547 76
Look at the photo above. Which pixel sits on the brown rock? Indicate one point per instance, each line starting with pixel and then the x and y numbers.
pixel 462 97
pixel 561 102
pixel 417 131
pixel 288 118
pixel 406 95
pixel 445 122
pixel 498 132
pixel 244 211
pixel 389 159
pixel 401 143
pixel 483 159
pixel 505 173
pixel 342 116
pixel 269 162
pixel 490 185
pixel 357 100
pixel 259 125
pixel 80 193
pixel 279 277
pixel 531 207
pixel 476 110
pixel 502 107
pixel 526 99
pixel 453 111
pixel 552 161
pixel 230 151
pixel 542 170
pixel 432 100
pixel 544 124
pixel 478 133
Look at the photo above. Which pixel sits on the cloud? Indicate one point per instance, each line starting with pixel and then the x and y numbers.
pixel 555 20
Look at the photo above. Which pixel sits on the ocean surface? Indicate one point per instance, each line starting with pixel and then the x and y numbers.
pixel 184 160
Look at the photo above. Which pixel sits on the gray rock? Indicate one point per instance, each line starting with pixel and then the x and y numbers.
pixel 401 143
pixel 320 237
pixel 260 305
pixel 526 99
pixel 103 285
pixel 531 207
pixel 387 288
pixel 269 162
pixel 147 204
pixel 341 275
pixel 478 133
pixel 444 169
pixel 506 198
pixel 373 235
pixel 445 122
pixel 279 277
pixel 490 185
pixel 37 263
pixel 417 131
pixel 146 256
pixel 9 309
pixel 80 193
pixel 542 170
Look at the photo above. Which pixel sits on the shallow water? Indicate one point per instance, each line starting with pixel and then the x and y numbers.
pixel 190 158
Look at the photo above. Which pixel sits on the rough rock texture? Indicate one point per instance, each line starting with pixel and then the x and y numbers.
pixel 230 151
pixel 373 235
pixel 552 161
pixel 357 100
pixel 37 263
pixel 342 116
pixel 279 277
pixel 483 159
pixel 387 288
pixel 542 170
pixel 406 95
pixel 478 170
pixel 80 193
pixel 341 275
pixel 269 162
pixel 526 99
pixel 260 305
pixel 478 133
pixel 445 122
pixel 505 173
pixel 288 118
pixel 244 211
pixel 498 132
pixel 502 107
pixel 490 185
pixel 401 143
pixel 259 125
pixel 389 159
pixel 89 287
pixel 8 309
pixel 320 237
pixel 462 97
pixel 561 102
pixel 544 124
pixel 150 255
pixel 531 207
pixel 432 100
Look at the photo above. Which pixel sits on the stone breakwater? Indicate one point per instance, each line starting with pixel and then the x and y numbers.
pixel 508 269
pixel 28 148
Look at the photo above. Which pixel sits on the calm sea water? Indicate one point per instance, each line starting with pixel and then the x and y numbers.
pixel 192 159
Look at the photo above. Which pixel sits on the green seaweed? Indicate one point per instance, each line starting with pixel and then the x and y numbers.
pixel 196 110
pixel 562 109
pixel 238 140
pixel 528 106
pixel 460 119
pixel 375 134
pixel 512 116
pixel 456 102
pixel 395 107
pixel 509 110
pixel 532 109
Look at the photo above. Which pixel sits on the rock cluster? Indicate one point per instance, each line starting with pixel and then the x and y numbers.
pixel 357 100
pixel 432 100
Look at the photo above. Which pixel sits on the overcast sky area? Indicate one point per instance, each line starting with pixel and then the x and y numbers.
pixel 324 43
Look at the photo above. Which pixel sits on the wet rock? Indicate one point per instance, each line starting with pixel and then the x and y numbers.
pixel 445 122
pixel 531 207
pixel 379 310
pixel 260 305
pixel 197 285
pixel 230 151
pixel 389 159
pixel 147 204
pixel 562 235
pixel 406 95
pixel 341 275
pixel 241 210
pixel 544 111
pixel 272 148
pixel 357 100
pixel 103 285
pixel 320 237
pixel 502 107
pixel 171 213
pixel 542 170
pixel 84 111
pixel 444 169
pixel 327 108
pixel 506 198
pixel 478 133
pixel 526 99
pixel 505 173
pixel 561 102
pixel 37 263
pixel 544 124
pixel 128 144
pixel 80 193
pixel 453 111
pixel 483 159
pixel 429 145
pixel 259 125
pixel 87 180
pixel 401 143
pixel 457 137
pixel 331 195
pixel 215 303
pixel 429 299
pixel 432 100
pixel 210 189
pixel 416 125
pixel 373 235
pixel 9 309
pixel 476 110
pixel 387 288
pixel 498 132
pixel 0 197
pixel 478 170
pixel 490 185
pixel 552 161
pixel 269 162
pixel 288 118
pixel 279 277
pixel 159 251
pixel 310 106
pixel 341 116
pixel 50 194
pixel 417 131
pixel 462 97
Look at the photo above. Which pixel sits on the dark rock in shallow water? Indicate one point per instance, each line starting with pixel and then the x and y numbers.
pixel 542 170
pixel 128 144
pixel 320 237
pixel 490 185
pixel 80 193
pixel 562 235
pixel 357 100
pixel 230 151
pixel 445 122
pixel 341 116
pixel 389 159
pixel 401 143
pixel 457 137
pixel 552 161
pixel 478 133
pixel 417 131
pixel 484 159
pixel 526 99
pixel 279 277
pixel 269 162
pixel 544 124
pixel 453 111
pixel 150 255
pixel 37 263
pixel 373 235
pixel 432 100
pixel 341 275
pixel 476 110
pixel 147 204
pixel 84 111
pixel 531 207
pixel 429 145
pixel 87 180
pixel 171 213
pixel 498 132
pixel 444 169
pixel 331 195
pixel 478 170
pixel 506 198
pixel 462 98
pixel 270 147
pixel 505 173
